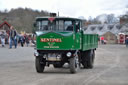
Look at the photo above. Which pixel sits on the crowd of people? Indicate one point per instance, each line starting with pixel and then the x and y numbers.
pixel 13 38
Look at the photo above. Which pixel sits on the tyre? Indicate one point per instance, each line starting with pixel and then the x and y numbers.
pixel 39 66
pixel 84 59
pixel 88 59
pixel 74 64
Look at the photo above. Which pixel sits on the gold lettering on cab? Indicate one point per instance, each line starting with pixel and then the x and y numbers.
pixel 50 40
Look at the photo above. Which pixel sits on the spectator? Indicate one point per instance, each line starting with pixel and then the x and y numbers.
pixel 102 39
pixel 126 41
pixel 12 37
pixel 22 40
pixel 27 40
pixel 3 35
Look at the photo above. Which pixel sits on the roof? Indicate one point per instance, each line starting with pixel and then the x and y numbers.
pixel 4 24
pixel 63 18
pixel 109 33
pixel 102 29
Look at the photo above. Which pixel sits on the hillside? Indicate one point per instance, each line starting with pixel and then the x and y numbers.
pixel 21 18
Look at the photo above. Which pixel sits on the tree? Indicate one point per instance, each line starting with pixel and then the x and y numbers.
pixel 90 19
pixel 22 18
pixel 110 18
pixel 5 11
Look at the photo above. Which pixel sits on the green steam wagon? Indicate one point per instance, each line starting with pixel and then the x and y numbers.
pixel 61 40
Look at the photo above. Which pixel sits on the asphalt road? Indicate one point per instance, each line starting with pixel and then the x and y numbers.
pixel 17 67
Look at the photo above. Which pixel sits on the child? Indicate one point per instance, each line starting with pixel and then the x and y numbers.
pixel 3 38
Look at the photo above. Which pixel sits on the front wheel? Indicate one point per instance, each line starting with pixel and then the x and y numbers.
pixel 39 66
pixel 74 64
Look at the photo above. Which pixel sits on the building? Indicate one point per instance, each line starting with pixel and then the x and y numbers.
pixel 110 38
pixel 110 31
pixel 5 27
pixel 124 19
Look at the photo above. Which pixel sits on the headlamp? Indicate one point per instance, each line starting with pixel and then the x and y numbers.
pixel 69 54
pixel 36 53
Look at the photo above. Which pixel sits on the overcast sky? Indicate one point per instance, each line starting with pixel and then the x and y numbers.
pixel 71 8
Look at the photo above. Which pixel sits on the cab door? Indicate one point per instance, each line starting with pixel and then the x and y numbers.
pixel 78 40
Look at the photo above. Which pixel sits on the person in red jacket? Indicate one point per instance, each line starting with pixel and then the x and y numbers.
pixel 102 39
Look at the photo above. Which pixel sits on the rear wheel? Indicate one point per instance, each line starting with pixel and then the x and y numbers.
pixel 74 64
pixel 88 59
pixel 40 65
pixel 84 59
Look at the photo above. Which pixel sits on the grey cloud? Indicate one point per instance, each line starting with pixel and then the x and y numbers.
pixel 114 5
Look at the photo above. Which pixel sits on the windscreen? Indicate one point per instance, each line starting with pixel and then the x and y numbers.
pixel 55 25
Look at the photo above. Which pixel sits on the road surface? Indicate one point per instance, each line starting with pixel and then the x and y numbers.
pixel 17 67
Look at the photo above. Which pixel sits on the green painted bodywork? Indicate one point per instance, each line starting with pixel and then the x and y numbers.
pixel 67 38
pixel 89 41
pixel 70 40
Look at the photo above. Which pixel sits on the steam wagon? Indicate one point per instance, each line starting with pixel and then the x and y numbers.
pixel 61 40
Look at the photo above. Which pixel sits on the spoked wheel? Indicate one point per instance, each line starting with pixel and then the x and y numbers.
pixel 74 64
pixel 40 65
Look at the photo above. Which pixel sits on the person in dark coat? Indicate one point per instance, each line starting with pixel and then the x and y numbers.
pixel 126 41
pixel 27 40
pixel 22 40
pixel 12 37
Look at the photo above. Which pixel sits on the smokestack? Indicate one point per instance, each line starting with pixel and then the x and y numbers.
pixel 52 14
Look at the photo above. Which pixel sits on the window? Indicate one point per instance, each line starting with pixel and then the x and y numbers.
pixel 56 25
pixel 68 25
pixel 42 25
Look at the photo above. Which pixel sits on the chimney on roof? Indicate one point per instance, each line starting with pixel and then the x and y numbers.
pixel 52 14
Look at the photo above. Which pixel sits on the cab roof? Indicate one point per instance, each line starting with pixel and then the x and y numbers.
pixel 56 18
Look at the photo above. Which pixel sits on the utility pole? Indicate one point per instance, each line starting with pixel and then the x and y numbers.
pixel 58 13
